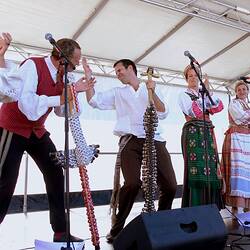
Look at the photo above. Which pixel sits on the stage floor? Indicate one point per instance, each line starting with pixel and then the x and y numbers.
pixel 18 231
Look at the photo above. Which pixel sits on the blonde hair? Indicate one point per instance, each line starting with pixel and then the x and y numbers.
pixel 239 84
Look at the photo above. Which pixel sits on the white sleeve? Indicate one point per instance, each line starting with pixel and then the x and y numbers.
pixel 30 103
pixel 103 100
pixel 237 113
pixel 215 99
pixel 161 115
pixel 60 110
pixel 186 104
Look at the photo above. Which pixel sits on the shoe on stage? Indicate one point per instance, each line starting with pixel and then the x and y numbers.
pixel 62 237
pixel 110 238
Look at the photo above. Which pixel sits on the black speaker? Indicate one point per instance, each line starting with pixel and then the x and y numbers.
pixel 200 227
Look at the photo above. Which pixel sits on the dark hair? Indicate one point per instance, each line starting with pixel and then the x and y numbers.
pixel 67 46
pixel 126 63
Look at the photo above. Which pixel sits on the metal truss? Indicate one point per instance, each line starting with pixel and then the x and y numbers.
pixel 214 11
pixel 104 67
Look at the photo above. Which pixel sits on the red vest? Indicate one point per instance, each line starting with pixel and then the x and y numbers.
pixel 12 119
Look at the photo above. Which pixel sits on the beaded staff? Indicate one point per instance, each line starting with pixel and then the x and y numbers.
pixel 149 158
pixel 79 157
pixel 82 151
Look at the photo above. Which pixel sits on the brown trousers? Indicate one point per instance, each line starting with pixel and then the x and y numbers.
pixel 131 158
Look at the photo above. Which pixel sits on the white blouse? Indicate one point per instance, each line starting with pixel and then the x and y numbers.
pixel 190 103
pixel 239 111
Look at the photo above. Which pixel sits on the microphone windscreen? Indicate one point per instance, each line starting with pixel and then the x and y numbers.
pixel 48 36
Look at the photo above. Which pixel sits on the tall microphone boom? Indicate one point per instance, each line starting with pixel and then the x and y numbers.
pixel 192 59
pixel 50 38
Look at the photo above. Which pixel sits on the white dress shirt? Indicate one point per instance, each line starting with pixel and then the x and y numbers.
pixel 32 105
pixel 130 106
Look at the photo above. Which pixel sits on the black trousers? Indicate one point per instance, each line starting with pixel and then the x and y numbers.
pixel 131 158
pixel 39 150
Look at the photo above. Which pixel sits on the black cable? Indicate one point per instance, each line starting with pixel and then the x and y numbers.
pixel 235 243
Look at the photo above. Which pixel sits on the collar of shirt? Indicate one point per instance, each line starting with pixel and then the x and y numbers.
pixel 194 92
pixel 53 70
pixel 135 92
pixel 51 67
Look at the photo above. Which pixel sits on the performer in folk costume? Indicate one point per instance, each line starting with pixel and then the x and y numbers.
pixel 10 85
pixel 22 129
pixel 201 185
pixel 130 102
pixel 235 162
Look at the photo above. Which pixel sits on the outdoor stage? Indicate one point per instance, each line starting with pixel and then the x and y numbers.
pixel 18 231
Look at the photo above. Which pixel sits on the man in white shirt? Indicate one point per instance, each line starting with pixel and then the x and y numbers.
pixel 22 129
pixel 130 102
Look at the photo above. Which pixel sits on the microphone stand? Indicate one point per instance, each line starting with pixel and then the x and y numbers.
pixel 66 63
pixel 204 92
pixel 66 152
pixel 229 95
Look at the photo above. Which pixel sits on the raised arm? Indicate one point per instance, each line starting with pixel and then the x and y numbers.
pixel 88 75
pixel 5 40
pixel 218 105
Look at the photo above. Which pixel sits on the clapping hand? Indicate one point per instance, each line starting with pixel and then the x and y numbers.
pixel 83 85
pixel 87 70
pixel 5 40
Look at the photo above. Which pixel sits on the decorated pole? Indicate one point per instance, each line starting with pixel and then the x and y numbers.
pixel 149 157
pixel 84 154
pixel 79 157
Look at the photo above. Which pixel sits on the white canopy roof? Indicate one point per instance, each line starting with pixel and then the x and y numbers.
pixel 152 33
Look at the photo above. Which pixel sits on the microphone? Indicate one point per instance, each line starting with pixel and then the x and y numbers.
pixel 245 78
pixel 192 59
pixel 50 38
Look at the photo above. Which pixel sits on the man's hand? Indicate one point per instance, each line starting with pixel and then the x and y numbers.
pixel 86 69
pixel 5 41
pixel 83 85
pixel 150 85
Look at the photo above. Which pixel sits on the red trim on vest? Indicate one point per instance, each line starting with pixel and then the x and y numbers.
pixel 12 119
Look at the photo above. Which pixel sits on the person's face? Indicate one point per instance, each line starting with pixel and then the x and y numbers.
pixel 122 73
pixel 242 92
pixel 192 79
pixel 75 59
